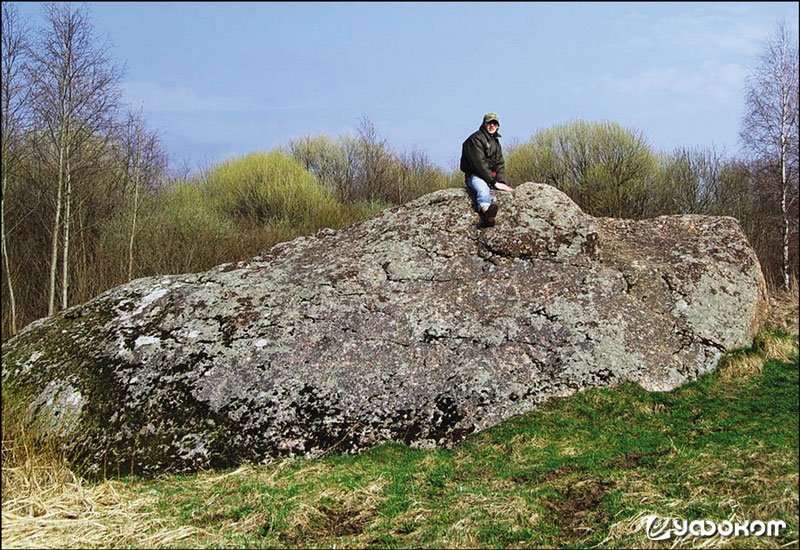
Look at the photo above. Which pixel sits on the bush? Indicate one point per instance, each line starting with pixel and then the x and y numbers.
pixel 231 212
pixel 271 188
pixel 364 168
pixel 606 169
pixel 185 233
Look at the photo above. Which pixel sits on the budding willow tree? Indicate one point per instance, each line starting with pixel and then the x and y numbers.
pixel 76 93
pixel 606 169
pixel 770 125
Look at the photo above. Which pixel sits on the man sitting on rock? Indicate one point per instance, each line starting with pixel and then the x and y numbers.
pixel 484 167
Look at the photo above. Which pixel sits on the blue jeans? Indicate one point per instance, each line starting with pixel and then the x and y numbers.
pixel 481 190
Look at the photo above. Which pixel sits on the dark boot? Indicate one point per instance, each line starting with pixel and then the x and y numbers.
pixel 489 216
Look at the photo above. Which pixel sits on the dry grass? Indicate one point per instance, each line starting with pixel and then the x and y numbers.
pixel 45 505
pixel 781 349
pixel 717 483
pixel 51 508
pixel 741 366
pixel 54 509
pixel 294 503
pixel 784 309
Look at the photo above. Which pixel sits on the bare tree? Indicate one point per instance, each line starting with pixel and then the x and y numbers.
pixel 76 93
pixel 145 164
pixel 770 125
pixel 375 162
pixel 15 97
pixel 690 179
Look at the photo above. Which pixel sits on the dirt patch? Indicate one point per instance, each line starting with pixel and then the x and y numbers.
pixel 343 522
pixel 544 477
pixel 580 509
pixel 629 461
pixel 332 523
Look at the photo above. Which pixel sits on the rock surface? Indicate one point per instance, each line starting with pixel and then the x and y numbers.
pixel 417 325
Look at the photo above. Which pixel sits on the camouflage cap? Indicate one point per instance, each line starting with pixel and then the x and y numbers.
pixel 491 116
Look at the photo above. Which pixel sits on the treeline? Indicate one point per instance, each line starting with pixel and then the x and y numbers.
pixel 89 203
pixel 611 171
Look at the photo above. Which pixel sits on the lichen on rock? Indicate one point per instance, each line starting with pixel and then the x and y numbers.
pixel 417 325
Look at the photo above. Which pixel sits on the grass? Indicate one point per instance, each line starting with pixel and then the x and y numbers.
pixel 580 472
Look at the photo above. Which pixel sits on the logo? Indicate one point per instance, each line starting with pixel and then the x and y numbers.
pixel 658 528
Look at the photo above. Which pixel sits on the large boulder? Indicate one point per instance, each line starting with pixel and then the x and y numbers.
pixel 418 325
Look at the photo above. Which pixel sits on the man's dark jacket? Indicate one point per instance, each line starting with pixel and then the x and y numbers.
pixel 481 154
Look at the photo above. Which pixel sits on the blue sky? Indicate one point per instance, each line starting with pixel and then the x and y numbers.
pixel 220 80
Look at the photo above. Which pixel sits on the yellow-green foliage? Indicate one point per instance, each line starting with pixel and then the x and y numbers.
pixel 176 232
pixel 607 169
pixel 366 169
pixel 179 230
pixel 185 233
pixel 331 161
pixel 272 188
pixel 234 211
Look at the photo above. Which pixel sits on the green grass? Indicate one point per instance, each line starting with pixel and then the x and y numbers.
pixel 579 472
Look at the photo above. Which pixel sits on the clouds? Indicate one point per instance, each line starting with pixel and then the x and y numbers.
pixel 677 71
pixel 710 81
pixel 727 30
pixel 156 98
pixel 702 52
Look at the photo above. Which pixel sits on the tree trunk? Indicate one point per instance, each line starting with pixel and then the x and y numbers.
pixel 65 257
pixel 135 212
pixel 87 292
pixel 785 214
pixel 6 261
pixel 51 305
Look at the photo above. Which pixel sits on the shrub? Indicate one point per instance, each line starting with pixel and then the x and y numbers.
pixel 606 169
pixel 185 233
pixel 270 188
pixel 364 168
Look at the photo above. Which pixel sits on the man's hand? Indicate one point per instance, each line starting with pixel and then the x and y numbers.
pixel 503 187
